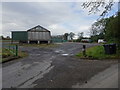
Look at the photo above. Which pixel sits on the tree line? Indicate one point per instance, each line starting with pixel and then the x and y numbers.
pixel 107 29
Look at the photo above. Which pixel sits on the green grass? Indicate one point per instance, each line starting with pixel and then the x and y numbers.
pixel 6 55
pixel 97 52
pixel 5 40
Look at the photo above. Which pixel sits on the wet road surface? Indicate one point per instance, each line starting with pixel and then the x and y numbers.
pixel 51 68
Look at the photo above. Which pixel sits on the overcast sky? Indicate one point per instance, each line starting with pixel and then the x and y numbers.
pixel 58 17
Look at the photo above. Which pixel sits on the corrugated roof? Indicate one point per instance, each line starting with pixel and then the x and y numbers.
pixel 38 28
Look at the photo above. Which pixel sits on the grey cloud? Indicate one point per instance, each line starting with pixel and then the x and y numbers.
pixel 22 16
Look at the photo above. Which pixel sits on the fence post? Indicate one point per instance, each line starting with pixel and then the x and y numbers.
pixel 84 50
pixel 16 53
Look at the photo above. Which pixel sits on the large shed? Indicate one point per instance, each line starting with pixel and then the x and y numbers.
pixel 37 34
pixel 21 36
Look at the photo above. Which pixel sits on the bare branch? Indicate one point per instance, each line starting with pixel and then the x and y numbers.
pixel 94 7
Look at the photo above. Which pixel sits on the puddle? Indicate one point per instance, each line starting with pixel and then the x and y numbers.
pixel 59 51
pixel 65 54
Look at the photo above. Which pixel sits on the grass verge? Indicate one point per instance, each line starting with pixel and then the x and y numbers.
pixel 6 55
pixel 97 52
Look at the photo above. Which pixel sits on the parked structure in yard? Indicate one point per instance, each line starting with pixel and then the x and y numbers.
pixel 39 34
pixel 36 34
pixel 20 36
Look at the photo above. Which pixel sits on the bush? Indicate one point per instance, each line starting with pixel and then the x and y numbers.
pixel 6 53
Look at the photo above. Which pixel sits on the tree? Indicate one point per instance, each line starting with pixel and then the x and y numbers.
pixel 112 31
pixel 71 35
pixel 65 36
pixel 94 7
pixel 80 36
pixel 99 27
pixel 93 30
pixel 106 29
pixel 8 37
pixel 1 37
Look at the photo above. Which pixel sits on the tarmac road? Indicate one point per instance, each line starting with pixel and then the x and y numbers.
pixel 106 79
pixel 51 68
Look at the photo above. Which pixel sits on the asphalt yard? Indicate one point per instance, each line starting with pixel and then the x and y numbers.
pixel 54 67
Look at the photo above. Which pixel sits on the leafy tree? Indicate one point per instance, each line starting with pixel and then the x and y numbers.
pixel 66 36
pixel 71 35
pixel 98 29
pixel 107 29
pixel 112 31
pixel 1 37
pixel 80 36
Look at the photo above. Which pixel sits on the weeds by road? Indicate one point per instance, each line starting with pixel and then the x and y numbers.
pixel 7 55
pixel 97 52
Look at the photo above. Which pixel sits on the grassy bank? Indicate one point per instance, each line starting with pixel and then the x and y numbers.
pixel 6 55
pixel 97 52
